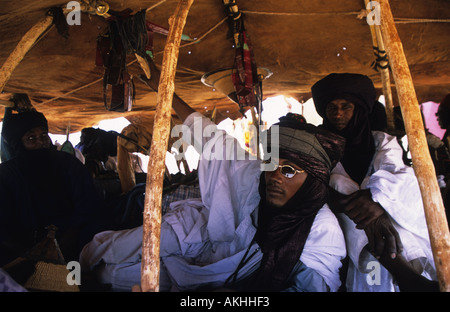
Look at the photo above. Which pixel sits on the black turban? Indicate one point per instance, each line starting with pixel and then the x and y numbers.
pixel 314 149
pixel 355 88
pixel 19 124
pixel 359 90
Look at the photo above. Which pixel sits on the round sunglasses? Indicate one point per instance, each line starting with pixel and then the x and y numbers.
pixel 287 170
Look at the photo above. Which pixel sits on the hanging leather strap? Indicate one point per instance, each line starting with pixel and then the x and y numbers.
pixel 118 86
pixel 122 94
pixel 245 72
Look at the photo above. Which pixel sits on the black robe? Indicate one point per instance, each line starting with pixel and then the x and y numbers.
pixel 44 187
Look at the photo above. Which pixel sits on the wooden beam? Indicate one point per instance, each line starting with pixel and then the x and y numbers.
pixel 6 103
pixel 150 267
pixel 22 48
pixel 423 166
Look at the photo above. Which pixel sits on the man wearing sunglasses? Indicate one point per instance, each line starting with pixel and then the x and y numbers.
pixel 251 229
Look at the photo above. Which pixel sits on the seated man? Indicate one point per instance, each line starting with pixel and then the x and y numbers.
pixel 251 230
pixel 39 187
pixel 377 197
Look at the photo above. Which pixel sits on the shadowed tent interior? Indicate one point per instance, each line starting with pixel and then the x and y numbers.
pixel 298 41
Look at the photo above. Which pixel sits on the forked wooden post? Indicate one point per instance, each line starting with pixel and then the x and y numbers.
pixel 423 166
pixel 150 266
pixel 22 48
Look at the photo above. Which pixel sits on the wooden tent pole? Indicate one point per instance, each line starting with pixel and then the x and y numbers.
pixel 423 166
pixel 379 50
pixel 156 166
pixel 22 48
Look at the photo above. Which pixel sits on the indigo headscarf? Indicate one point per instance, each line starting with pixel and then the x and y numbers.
pixel 19 124
pixel 282 232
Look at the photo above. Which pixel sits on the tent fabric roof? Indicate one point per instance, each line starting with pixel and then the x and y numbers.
pixel 299 41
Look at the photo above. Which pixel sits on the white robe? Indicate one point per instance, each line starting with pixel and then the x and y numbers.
pixel 203 240
pixel 394 186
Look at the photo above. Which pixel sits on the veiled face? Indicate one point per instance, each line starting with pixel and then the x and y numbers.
pixel 279 188
pixel 339 112
pixel 36 138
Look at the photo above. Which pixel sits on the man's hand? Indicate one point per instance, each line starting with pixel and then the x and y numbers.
pixel 408 278
pixel 362 209
pixel 358 206
pixel 372 218
pixel 383 237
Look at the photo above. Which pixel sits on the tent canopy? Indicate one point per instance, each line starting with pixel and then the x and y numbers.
pixel 298 41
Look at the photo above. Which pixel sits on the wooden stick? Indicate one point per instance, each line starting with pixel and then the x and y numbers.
pixel 378 45
pixel 385 80
pixel 125 168
pixel 22 48
pixel 144 65
pixel 422 163
pixel 6 103
pixel 156 166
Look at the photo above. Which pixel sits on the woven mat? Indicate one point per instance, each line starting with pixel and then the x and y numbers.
pixel 50 277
